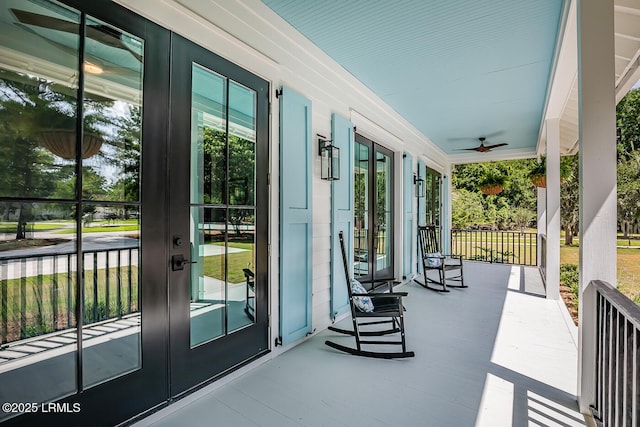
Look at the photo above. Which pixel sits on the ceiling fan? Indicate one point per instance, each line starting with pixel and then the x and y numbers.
pixel 484 148
pixel 100 33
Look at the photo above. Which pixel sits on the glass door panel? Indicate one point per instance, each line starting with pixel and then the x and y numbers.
pixel 71 209
pixel 207 309
pixel 361 196
pixel 222 176
pixel 218 283
pixel 432 201
pixel 373 201
pixel 111 172
pixel 384 227
pixel 38 268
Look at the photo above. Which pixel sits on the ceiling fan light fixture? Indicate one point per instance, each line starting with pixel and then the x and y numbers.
pixel 92 68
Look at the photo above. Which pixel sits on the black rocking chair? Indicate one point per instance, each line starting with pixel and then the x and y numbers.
pixel 387 305
pixel 432 259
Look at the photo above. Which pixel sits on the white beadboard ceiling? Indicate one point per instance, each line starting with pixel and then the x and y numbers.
pixel 458 70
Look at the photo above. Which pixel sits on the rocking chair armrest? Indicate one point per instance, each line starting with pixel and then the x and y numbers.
pixel 378 283
pixel 382 295
pixel 388 294
pixel 364 295
pixel 374 281
pixel 452 256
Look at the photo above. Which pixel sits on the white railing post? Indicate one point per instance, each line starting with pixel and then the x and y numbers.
pixel 597 136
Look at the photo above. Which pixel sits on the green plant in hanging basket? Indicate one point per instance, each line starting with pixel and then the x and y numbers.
pixel 538 174
pixel 492 183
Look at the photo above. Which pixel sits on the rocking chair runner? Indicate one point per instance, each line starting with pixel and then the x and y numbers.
pixel 432 259
pixel 387 305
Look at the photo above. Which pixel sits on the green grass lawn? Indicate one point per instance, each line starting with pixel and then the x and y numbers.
pixel 214 266
pixel 632 240
pixel 523 252
pixel 11 228
pixel 38 294
pixel 101 229
pixel 628 268
pixel 240 245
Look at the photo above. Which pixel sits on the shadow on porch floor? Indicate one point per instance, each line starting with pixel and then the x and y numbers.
pixel 494 354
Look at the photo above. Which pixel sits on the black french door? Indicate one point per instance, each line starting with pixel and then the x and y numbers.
pixel 88 298
pixel 373 195
pixel 218 215
pixel 433 185
pixel 147 275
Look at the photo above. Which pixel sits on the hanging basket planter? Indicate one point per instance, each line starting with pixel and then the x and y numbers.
pixel 539 180
pixel 492 183
pixel 491 189
pixel 62 143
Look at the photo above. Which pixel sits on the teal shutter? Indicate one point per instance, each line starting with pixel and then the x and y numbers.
pixel 296 216
pixel 407 200
pixel 341 214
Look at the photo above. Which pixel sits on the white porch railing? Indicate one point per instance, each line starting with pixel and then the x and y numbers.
pixel 617 341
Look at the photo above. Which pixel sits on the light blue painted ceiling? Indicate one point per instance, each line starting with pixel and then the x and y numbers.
pixel 456 69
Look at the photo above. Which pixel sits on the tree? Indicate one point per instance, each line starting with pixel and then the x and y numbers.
pixel 27 169
pixel 569 199
pixel 467 208
pixel 628 121
pixel 497 212
pixel 127 146
pixel 629 192
pixel 30 106
pixel 496 209
pixel 522 217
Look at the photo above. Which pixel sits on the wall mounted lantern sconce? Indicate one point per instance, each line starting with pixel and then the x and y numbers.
pixel 420 188
pixel 329 159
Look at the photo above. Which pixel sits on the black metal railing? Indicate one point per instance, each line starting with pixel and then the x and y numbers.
pixel 361 239
pixel 617 372
pixel 510 247
pixel 38 291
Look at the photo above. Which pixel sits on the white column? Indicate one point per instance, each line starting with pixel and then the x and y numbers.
pixel 553 209
pixel 542 220
pixel 596 77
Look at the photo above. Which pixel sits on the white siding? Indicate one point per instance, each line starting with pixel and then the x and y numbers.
pixel 251 35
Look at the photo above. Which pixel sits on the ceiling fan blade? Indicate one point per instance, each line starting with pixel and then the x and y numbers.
pixel 493 134
pixel 462 139
pixel 107 68
pixel 469 149
pixel 45 21
pixel 496 145
pixel 110 37
pixel 100 33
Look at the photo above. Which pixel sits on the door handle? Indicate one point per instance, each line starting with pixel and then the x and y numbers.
pixel 178 262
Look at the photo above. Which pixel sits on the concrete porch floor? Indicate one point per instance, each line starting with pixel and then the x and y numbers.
pixel 494 354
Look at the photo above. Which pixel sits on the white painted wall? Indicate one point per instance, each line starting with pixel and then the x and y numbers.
pixel 252 36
